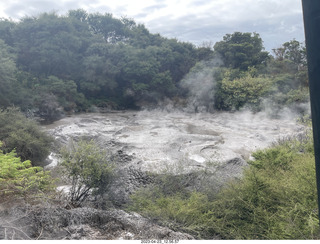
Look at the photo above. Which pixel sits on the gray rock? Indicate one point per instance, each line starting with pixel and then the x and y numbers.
pixel 55 223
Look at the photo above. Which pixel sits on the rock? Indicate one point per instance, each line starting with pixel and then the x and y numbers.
pixel 56 223
pixel 128 179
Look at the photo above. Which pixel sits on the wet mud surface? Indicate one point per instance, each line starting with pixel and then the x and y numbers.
pixel 158 140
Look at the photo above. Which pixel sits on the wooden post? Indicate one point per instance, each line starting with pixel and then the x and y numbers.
pixel 311 16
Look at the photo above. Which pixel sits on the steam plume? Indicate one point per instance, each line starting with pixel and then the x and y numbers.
pixel 200 86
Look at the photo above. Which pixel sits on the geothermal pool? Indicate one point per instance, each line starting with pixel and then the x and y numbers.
pixel 177 141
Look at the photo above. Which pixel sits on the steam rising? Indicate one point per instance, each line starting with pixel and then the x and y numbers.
pixel 200 86
pixel 158 138
pixel 183 135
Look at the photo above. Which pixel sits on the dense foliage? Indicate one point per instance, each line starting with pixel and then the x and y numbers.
pixel 277 82
pixel 53 64
pixel 233 94
pixel 80 59
pixel 24 135
pixel 275 199
pixel 19 179
pixel 241 50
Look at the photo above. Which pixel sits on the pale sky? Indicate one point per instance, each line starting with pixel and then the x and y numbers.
pixel 195 21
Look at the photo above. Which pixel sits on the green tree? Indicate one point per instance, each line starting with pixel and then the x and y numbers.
pixel 102 66
pixel 184 57
pixel 89 170
pixel 293 51
pixel 139 70
pixel 66 92
pixel 51 45
pixel 140 37
pixel 291 58
pixel 7 75
pixel 105 58
pixel 111 29
pixel 241 50
pixel 78 14
pixel 162 84
pixel 6 28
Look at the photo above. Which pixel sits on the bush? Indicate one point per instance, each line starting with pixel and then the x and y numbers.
pixel 298 96
pixel 269 204
pixel 275 199
pixel 235 94
pixel 287 91
pixel 22 134
pixel 179 212
pixel 88 169
pixel 19 178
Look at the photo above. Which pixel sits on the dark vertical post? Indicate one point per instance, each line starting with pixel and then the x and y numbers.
pixel 311 16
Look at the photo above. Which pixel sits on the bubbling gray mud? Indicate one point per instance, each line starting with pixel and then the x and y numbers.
pixel 178 142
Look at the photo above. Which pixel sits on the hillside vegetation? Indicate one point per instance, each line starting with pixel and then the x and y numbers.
pixel 72 62
pixel 51 65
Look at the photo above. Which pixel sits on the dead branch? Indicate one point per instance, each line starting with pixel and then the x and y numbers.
pixel 14 228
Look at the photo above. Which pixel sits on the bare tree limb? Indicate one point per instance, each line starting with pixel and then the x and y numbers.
pixel 40 233
pixel 14 228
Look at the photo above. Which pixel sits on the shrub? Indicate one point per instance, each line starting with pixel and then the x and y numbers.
pixel 89 170
pixel 178 211
pixel 235 94
pixel 24 135
pixel 19 178
pixel 275 199
pixel 298 96
pixel 278 157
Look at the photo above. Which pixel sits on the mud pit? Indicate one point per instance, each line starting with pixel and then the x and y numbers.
pixel 180 142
